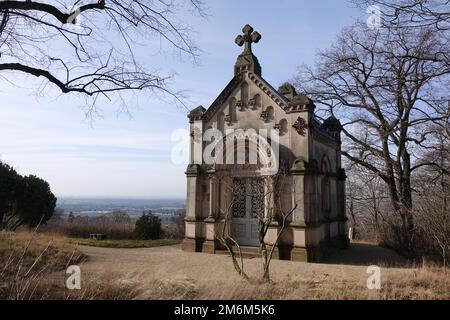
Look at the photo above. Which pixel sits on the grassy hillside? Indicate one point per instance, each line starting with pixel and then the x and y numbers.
pixel 32 266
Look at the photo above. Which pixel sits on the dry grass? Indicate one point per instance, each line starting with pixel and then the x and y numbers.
pixel 26 259
pixel 423 284
pixel 169 273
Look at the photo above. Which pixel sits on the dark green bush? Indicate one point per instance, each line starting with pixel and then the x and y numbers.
pixel 148 227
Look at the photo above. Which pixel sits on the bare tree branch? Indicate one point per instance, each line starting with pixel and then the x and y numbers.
pixel 97 43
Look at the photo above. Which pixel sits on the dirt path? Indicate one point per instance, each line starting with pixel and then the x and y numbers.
pixel 170 262
pixel 170 273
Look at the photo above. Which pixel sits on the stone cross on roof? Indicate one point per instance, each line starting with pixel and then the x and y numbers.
pixel 248 38
pixel 246 60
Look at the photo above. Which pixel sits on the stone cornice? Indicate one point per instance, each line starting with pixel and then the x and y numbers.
pixel 193 170
pixel 196 114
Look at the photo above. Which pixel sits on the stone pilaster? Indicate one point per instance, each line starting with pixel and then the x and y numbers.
pixel 194 228
pixel 214 196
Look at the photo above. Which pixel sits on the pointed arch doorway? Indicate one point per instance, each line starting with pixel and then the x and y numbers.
pixel 248 205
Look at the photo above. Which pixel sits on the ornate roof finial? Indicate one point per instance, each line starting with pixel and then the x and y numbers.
pixel 248 38
pixel 246 60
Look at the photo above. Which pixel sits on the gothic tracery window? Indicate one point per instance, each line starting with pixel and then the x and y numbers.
pixel 248 197
pixel 239 198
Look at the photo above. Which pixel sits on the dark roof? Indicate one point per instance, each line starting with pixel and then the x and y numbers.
pixel 332 124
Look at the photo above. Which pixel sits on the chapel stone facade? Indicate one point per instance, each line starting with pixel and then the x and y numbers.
pixel 309 152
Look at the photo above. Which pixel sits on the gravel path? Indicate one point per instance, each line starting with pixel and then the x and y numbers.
pixel 170 262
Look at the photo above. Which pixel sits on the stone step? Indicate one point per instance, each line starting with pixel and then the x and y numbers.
pixel 247 252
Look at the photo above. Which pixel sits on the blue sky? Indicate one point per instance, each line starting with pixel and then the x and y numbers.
pixel 129 155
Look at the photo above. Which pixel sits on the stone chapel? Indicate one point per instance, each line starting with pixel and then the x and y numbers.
pixel 309 152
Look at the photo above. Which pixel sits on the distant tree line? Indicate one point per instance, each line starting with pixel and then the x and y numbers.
pixel 117 225
pixel 24 200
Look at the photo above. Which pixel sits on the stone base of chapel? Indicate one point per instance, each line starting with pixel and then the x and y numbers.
pixel 282 252
pixel 191 245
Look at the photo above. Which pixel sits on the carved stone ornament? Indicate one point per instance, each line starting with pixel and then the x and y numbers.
pixel 300 126
pixel 228 119
pixel 265 115
pixel 240 105
pixel 196 135
pixel 277 126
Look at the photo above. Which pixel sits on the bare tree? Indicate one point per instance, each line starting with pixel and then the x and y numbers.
pixel 386 90
pixel 433 219
pixel 411 13
pixel 366 201
pixel 89 47
pixel 226 239
pixel 432 212
pixel 273 214
pixel 416 15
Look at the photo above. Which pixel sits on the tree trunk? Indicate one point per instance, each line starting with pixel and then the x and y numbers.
pixel 264 254
pixel 266 276
pixel 406 192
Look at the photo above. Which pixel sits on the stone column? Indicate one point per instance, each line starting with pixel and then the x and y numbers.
pixel 269 201
pixel 213 197
pixel 218 197
pixel 209 245
pixel 273 230
pixel 306 235
pixel 193 210
pixel 298 198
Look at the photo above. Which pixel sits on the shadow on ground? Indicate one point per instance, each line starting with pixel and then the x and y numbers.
pixel 366 254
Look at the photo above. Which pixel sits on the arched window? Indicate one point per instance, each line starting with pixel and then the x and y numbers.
pixel 256 102
pixel 220 122
pixel 232 109
pixel 240 148
pixel 283 127
pixel 244 93
pixel 205 143
pixel 268 114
